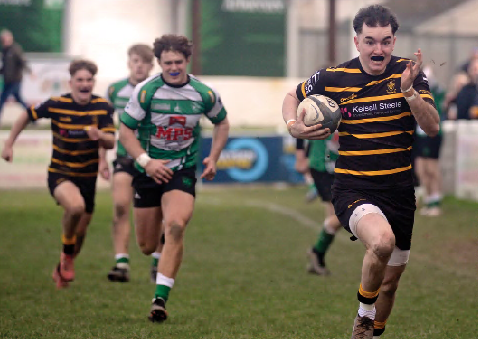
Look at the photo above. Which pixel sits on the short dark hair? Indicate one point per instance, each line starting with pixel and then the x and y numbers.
pixel 175 43
pixel 375 16
pixel 144 51
pixel 80 64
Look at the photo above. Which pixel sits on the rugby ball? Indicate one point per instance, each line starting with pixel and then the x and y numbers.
pixel 320 109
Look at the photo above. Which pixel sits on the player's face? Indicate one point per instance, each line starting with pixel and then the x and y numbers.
pixel 81 84
pixel 174 66
pixel 7 39
pixel 138 68
pixel 375 46
pixel 473 70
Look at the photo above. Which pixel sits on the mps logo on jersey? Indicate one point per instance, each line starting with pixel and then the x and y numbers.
pixel 174 133
pixel 176 130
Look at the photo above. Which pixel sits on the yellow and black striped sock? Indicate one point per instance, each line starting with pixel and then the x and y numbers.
pixel 68 244
pixel 365 297
pixel 378 328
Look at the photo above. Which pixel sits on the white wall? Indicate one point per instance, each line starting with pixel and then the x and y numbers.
pixel 253 101
pixel 102 30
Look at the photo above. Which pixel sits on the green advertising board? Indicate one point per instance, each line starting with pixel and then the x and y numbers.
pixel 36 24
pixel 243 37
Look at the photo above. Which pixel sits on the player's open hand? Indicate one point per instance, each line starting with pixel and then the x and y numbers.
pixel 156 169
pixel 7 153
pixel 209 169
pixel 301 131
pixel 411 71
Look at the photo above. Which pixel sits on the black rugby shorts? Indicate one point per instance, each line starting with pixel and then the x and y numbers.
pixel 148 193
pixel 398 205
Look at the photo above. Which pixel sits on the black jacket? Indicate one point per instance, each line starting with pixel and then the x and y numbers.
pixel 466 98
pixel 13 64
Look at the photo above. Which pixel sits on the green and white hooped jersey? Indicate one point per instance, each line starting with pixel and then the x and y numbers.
pixel 119 94
pixel 167 118
pixel 324 153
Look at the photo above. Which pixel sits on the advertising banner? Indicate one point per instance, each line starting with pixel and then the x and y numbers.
pixel 36 24
pixel 243 37
pixel 253 160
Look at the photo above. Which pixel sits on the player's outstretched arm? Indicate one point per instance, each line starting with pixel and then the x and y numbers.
pixel 17 128
pixel 219 140
pixel 295 124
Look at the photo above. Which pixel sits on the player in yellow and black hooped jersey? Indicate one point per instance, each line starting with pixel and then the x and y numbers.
pixel 81 124
pixel 377 127
pixel 74 154
pixel 381 97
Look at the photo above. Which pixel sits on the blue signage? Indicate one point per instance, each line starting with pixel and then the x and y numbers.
pixel 252 159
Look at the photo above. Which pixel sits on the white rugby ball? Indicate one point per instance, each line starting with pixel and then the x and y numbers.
pixel 320 109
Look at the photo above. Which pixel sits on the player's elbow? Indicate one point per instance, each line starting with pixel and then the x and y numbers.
pixel 108 144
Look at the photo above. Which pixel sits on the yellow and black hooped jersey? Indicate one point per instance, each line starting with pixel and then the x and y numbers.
pixel 73 152
pixel 376 131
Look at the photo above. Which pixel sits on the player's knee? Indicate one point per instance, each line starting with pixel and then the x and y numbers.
pixel 76 210
pixel 121 211
pixel 175 230
pixel 146 247
pixel 384 244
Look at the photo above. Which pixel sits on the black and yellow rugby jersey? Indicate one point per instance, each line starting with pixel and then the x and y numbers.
pixel 73 152
pixel 376 132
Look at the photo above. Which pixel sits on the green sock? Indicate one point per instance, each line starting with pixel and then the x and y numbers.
pixel 435 203
pixel 162 291
pixel 155 261
pixel 324 241
pixel 122 260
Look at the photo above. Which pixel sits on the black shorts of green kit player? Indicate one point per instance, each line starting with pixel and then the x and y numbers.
pixel 398 206
pixel 87 187
pixel 428 147
pixel 148 193
pixel 125 165
pixel 323 183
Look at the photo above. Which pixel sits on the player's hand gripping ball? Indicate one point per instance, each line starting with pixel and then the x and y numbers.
pixel 320 109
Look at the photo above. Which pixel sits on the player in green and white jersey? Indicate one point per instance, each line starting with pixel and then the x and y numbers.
pixel 165 110
pixel 322 155
pixel 140 64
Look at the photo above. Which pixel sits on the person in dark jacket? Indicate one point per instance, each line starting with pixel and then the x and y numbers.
pixel 467 97
pixel 13 66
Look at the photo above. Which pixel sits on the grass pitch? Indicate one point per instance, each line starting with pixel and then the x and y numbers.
pixel 243 274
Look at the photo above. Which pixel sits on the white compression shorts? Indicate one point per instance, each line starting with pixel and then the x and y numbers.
pixel 399 257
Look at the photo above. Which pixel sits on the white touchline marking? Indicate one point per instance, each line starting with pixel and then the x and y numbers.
pixel 307 222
